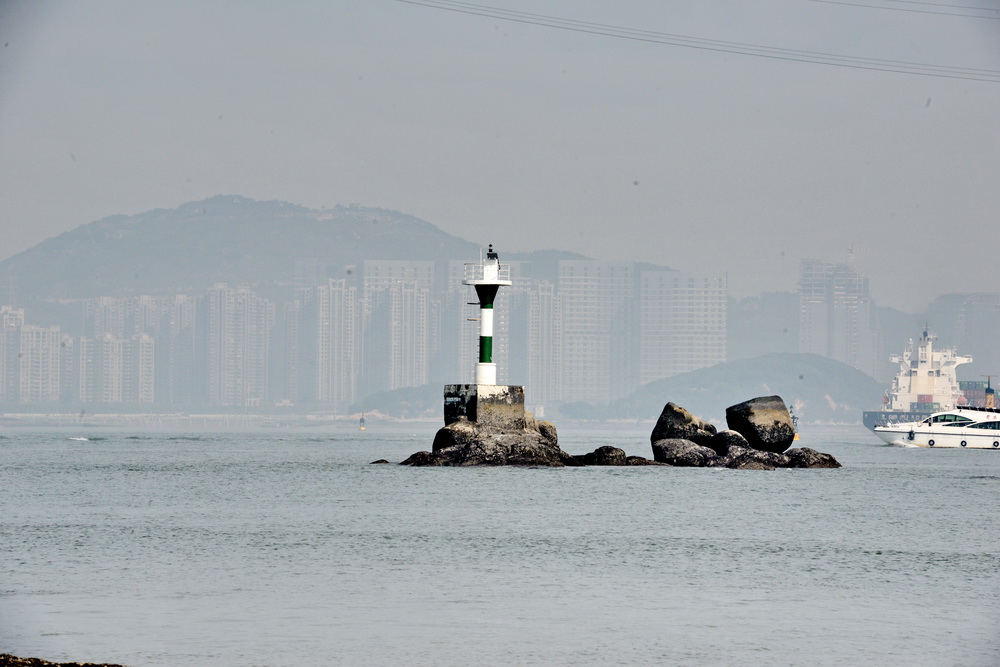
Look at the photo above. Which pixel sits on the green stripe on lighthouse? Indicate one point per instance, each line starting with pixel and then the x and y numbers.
pixel 486 294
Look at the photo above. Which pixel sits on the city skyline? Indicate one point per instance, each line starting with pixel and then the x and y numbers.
pixel 592 336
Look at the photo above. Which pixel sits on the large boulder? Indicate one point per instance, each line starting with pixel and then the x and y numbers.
pixel 681 452
pixel 676 422
pixel 765 422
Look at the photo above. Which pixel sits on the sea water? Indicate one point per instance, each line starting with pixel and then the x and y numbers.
pixel 283 547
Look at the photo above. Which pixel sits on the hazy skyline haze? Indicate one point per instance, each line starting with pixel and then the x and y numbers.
pixel 527 136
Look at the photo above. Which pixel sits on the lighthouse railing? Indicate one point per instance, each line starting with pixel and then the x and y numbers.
pixel 479 271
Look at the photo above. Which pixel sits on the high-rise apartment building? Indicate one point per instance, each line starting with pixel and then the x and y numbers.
pixel 141 369
pixel 543 344
pixel 11 321
pixel 598 307
pixel 40 363
pixel 103 368
pixel 179 357
pixel 336 343
pixel 30 360
pixel 682 323
pixel 395 321
pixel 107 315
pixel 238 325
pixel 836 315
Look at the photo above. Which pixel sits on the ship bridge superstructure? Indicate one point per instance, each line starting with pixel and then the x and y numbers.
pixel 927 378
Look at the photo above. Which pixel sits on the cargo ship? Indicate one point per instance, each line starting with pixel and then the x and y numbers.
pixel 925 383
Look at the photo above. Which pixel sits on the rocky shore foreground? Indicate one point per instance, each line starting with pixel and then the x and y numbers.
pixel 8 660
pixel 759 436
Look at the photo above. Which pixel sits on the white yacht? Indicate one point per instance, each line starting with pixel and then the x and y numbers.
pixel 972 428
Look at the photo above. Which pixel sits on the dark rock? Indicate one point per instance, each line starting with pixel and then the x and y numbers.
pixel 8 660
pixel 572 461
pixel 422 459
pixel 640 461
pixel 605 456
pixel 751 464
pixel 765 422
pixel 723 440
pixel 457 434
pixel 548 431
pixel 529 449
pixel 677 423
pixel 379 461
pixel 748 458
pixel 681 452
pixel 804 457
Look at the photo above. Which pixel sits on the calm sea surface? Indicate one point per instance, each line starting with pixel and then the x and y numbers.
pixel 287 548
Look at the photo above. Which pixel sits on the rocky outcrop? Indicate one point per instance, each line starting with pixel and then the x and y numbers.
pixel 465 443
pixel 760 432
pixel 755 441
pixel 765 422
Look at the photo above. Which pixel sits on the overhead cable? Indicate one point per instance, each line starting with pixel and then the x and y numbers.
pixel 757 50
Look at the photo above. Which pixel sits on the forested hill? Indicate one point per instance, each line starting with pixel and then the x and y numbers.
pixel 223 239
pixel 817 388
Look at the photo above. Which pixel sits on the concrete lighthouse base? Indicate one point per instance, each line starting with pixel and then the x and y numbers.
pixel 489 405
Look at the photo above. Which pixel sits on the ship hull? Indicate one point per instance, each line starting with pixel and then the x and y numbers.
pixel 873 418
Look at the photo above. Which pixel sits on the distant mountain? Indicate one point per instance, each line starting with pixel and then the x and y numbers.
pixel 223 239
pixel 817 388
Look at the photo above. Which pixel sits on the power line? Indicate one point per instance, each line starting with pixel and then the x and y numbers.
pixel 944 4
pixel 990 13
pixel 760 51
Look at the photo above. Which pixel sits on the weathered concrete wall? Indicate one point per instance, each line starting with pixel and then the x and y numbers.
pixel 488 405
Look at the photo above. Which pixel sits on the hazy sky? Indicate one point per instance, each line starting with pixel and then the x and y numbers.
pixel 529 136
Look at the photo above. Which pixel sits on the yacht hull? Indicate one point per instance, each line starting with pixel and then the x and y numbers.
pixel 962 428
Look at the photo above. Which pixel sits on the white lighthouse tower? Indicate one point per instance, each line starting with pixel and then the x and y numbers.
pixel 487 277
pixel 485 402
